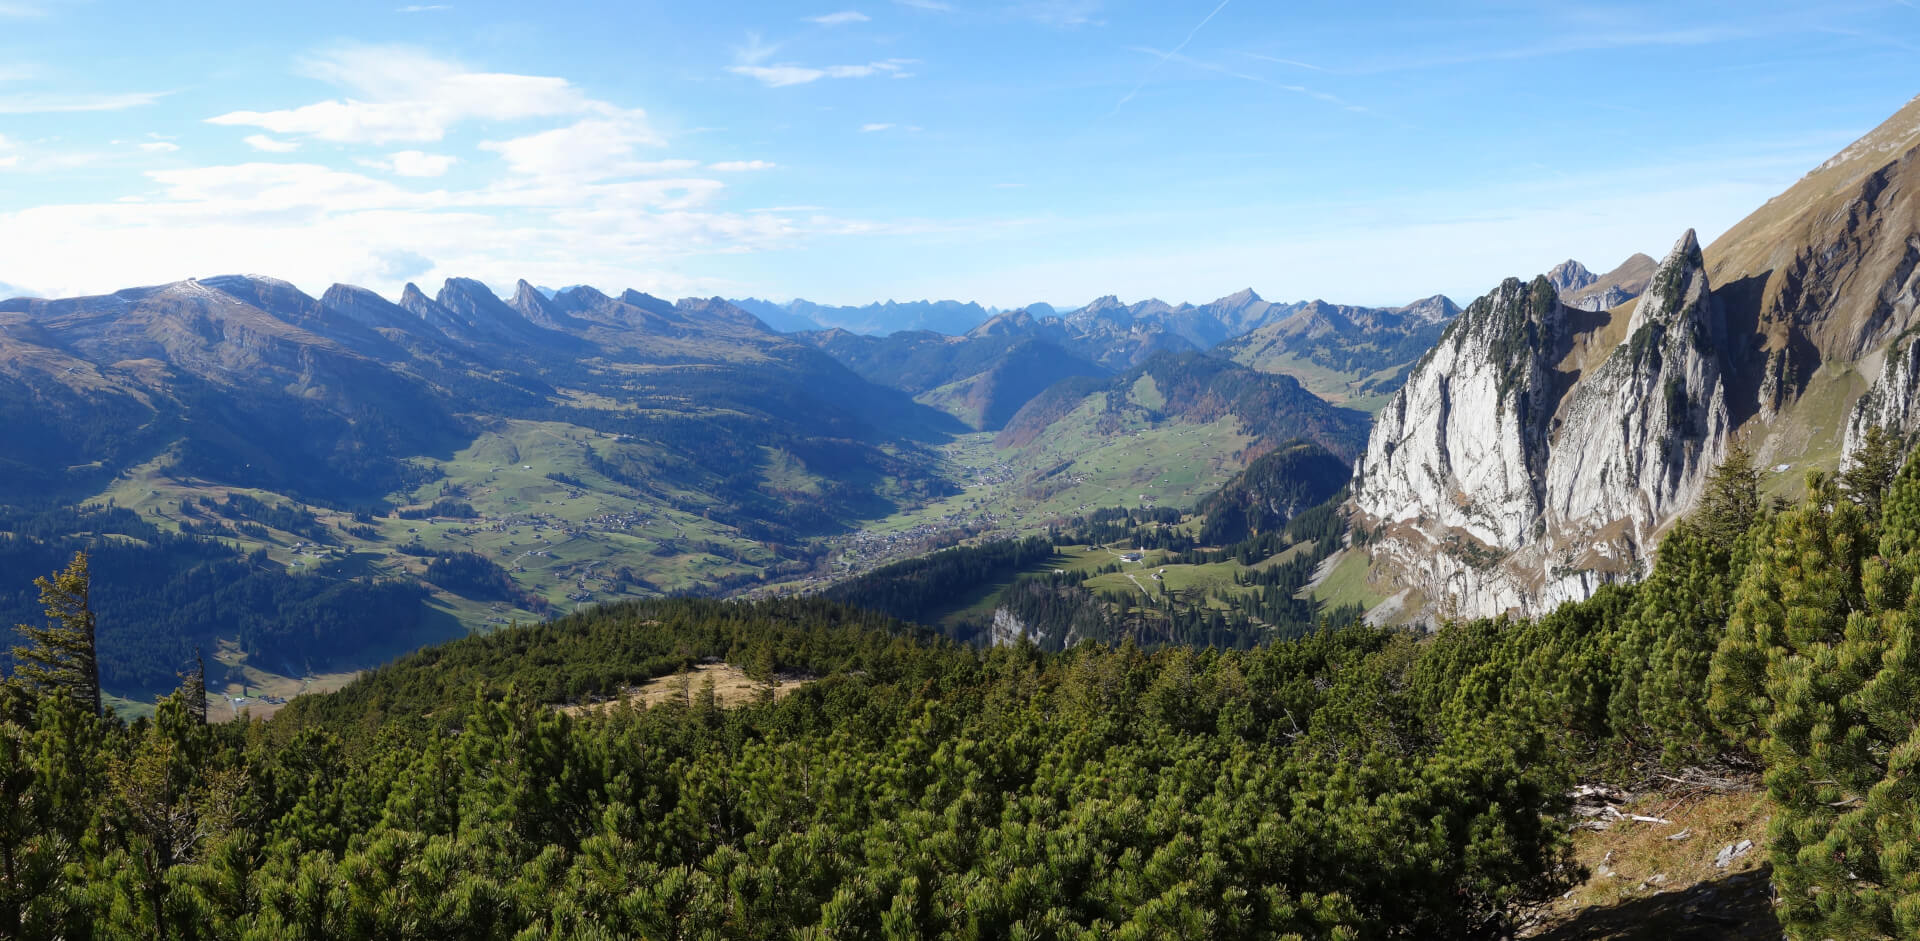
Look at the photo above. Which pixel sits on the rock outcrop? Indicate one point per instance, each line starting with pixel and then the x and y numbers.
pixel 1892 402
pixel 1639 433
pixel 1499 478
pixel 1570 276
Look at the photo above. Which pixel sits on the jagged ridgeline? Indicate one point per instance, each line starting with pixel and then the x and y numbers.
pixel 1547 443
pixel 905 788
pixel 462 459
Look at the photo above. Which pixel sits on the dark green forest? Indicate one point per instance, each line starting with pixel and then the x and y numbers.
pixel 1353 782
pixel 161 595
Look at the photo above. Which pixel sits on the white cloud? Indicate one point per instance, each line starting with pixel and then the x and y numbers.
pixel 159 146
pixel 934 5
pixel 424 8
pixel 780 76
pixel 576 197
pixel 44 103
pixel 841 18
pixel 414 163
pixel 315 225
pixel 777 76
pixel 253 189
pixel 402 94
pixel 264 143
pixel 870 128
pixel 595 148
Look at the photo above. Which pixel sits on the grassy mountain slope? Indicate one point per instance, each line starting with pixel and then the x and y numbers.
pixel 1352 356
pixel 1614 288
pixel 981 380
pixel 584 447
pixel 1154 441
pixel 1201 389
pixel 1821 279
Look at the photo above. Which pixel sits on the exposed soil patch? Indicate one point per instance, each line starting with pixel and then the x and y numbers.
pixel 1701 874
pixel 731 687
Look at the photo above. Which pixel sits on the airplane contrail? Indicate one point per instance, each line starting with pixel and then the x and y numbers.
pixel 1144 79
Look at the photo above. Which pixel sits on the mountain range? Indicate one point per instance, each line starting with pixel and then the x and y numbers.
pixel 499 458
pixel 504 458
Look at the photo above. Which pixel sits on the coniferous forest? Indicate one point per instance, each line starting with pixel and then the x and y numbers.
pixel 1355 782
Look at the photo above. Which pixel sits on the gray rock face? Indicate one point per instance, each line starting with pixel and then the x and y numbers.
pixel 364 307
pixel 1497 481
pixel 1570 276
pixel 1639 434
pixel 1890 403
pixel 1607 299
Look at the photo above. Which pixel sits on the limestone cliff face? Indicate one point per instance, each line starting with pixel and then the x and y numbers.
pixel 1461 446
pixel 1639 433
pixel 1892 402
pixel 1502 478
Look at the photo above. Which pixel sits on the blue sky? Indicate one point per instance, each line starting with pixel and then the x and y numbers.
pixel 996 150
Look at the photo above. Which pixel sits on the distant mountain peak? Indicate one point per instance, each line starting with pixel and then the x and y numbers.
pixel 1616 287
pixel 647 302
pixel 221 282
pixel 1570 276
pixel 535 305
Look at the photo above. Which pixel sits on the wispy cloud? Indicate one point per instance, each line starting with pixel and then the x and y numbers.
pixel 262 142
pixel 739 166
pixel 756 51
pixel 413 163
pixel 1060 13
pixel 872 128
pixel 937 6
pixel 1586 41
pixel 1144 79
pixel 841 18
pixel 1313 93
pixel 1296 63
pixel 397 93
pixel 47 103
pixel 424 8
pixel 782 75
pixel 595 148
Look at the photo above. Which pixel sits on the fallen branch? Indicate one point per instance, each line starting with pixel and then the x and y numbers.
pixel 1637 818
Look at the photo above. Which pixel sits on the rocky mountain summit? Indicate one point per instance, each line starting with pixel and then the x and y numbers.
pixel 1551 437
pixel 1570 276
pixel 1606 291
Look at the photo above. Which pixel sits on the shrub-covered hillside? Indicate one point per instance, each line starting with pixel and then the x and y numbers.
pixel 917 789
